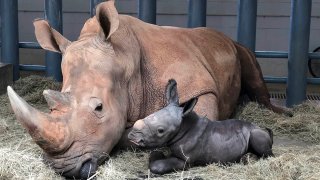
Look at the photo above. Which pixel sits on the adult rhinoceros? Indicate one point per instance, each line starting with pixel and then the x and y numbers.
pixel 116 73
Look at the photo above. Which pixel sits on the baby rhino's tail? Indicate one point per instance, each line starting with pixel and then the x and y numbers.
pixel 270 134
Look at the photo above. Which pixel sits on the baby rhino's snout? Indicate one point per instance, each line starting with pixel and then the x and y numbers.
pixel 135 135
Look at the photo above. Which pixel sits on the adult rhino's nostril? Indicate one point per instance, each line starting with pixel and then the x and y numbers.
pixel 88 169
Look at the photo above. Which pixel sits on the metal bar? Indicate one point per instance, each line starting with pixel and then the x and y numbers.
pixel 147 11
pixel 10 35
pixel 93 4
pixel 27 67
pixel 282 54
pixel 53 13
pixel 29 45
pixel 271 54
pixel 247 20
pixel 259 54
pixel 270 79
pixel 314 55
pixel 197 13
pixel 298 51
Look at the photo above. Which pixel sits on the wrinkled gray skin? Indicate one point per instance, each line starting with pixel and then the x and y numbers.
pixel 195 140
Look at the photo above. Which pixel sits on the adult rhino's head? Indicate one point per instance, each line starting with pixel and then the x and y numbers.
pixel 89 115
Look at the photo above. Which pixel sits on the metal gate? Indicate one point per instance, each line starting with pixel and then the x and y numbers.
pixel 298 54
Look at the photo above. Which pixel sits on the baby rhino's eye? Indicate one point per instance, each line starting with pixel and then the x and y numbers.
pixel 160 130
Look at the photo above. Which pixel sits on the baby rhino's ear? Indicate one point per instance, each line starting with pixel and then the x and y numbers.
pixel 189 105
pixel 172 92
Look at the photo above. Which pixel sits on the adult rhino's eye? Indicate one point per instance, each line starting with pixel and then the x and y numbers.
pixel 99 107
pixel 96 107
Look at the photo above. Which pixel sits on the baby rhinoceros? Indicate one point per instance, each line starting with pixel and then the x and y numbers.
pixel 195 140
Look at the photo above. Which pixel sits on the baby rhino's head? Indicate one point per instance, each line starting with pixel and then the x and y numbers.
pixel 160 127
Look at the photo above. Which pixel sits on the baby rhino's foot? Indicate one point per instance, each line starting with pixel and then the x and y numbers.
pixel 167 165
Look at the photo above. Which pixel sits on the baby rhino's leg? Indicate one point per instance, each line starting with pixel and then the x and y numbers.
pixel 260 143
pixel 156 155
pixel 163 166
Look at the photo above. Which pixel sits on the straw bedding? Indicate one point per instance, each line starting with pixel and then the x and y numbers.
pixel 296 148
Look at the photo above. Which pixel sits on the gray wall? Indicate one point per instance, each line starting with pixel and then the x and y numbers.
pixel 273 24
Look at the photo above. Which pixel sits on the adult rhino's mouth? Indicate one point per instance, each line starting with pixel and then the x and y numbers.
pixel 88 169
pixel 79 165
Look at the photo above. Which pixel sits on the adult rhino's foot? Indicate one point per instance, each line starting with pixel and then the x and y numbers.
pixel 281 110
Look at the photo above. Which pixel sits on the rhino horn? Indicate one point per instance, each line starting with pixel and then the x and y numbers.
pixel 57 100
pixel 48 132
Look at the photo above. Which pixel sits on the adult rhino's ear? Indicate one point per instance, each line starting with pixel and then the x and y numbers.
pixel 188 106
pixel 172 92
pixel 49 38
pixel 108 17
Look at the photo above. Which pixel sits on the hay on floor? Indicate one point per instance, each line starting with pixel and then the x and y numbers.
pixel 21 158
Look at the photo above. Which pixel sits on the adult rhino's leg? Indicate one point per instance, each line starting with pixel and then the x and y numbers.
pixel 207 105
pixel 260 143
pixel 252 80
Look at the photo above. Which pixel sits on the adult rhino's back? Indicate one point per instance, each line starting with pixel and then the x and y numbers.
pixel 222 62
pixel 203 61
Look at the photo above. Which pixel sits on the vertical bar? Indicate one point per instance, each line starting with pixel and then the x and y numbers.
pixel 247 22
pixel 53 13
pixel 197 13
pixel 298 51
pixel 10 35
pixel 93 4
pixel 147 11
